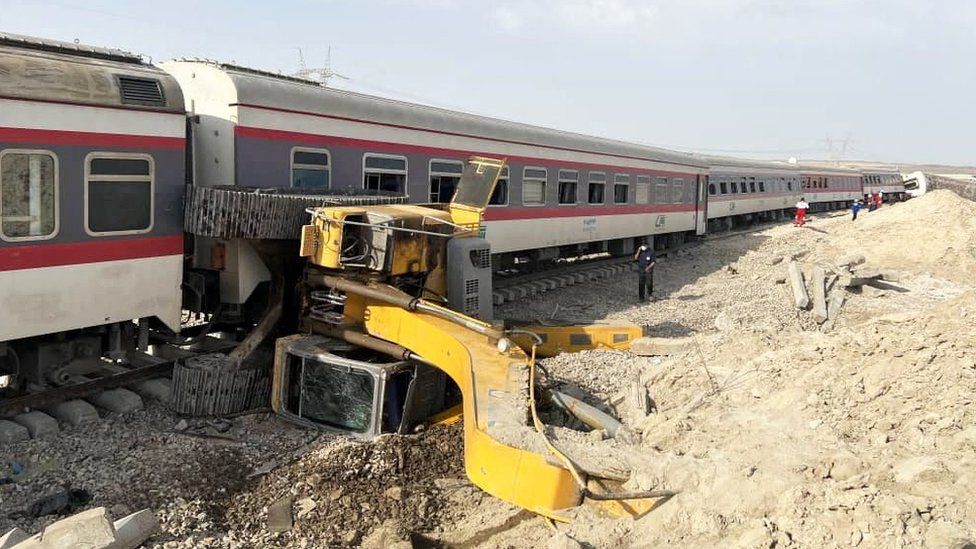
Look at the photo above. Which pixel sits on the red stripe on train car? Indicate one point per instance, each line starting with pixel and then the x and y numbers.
pixel 62 137
pixel 35 256
pixel 387 147
pixel 505 214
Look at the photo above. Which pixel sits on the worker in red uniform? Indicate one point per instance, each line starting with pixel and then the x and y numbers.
pixel 801 213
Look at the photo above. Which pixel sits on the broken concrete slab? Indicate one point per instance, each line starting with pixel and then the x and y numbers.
pixel 889 275
pixel 834 305
pixel 74 412
pixel 661 346
pixel 818 280
pixel 133 530
pixel 11 432
pixel 90 529
pixel 13 537
pixel 119 401
pixel 154 389
pixel 800 297
pixel 869 275
pixel 858 279
pixel 279 515
pixel 38 424
pixel 851 260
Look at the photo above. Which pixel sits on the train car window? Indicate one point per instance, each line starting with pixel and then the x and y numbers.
pixel 310 168
pixel 499 197
pixel 597 184
pixel 735 187
pixel 621 188
pixel 382 172
pixel 534 186
pixel 28 195
pixel 752 184
pixel 690 189
pixel 661 190
pixel 568 186
pixel 642 191
pixel 118 193
pixel 723 187
pixel 444 177
pixel 677 190
pixel 762 186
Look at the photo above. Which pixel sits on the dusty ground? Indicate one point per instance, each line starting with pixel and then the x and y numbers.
pixel 776 433
pixel 780 435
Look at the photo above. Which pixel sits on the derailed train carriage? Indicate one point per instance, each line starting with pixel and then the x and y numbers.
pixel 92 145
pixel 132 192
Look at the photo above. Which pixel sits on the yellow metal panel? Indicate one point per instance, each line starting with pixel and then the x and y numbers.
pixel 518 476
pixel 310 240
pixel 566 338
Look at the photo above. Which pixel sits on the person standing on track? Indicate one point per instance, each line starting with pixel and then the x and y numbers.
pixel 801 213
pixel 855 207
pixel 645 271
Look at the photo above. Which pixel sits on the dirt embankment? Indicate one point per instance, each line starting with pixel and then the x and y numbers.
pixel 777 434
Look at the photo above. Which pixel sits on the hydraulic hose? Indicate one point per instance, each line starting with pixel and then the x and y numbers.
pixel 404 301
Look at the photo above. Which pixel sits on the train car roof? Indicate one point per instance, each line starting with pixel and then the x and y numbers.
pixel 64 72
pixel 260 88
pixel 827 170
pixel 744 164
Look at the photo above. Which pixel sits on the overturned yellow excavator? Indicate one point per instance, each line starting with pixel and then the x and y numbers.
pixel 397 331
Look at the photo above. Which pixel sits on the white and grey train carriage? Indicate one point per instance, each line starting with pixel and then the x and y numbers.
pixel 829 188
pixel 743 190
pixel 884 180
pixel 92 171
pixel 563 193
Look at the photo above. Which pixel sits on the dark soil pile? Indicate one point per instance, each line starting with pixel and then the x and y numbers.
pixel 343 492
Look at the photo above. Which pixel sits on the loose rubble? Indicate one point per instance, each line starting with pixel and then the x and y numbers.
pixel 848 422
pixel 779 433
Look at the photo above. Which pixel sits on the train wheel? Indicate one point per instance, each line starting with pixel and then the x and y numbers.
pixel 11 381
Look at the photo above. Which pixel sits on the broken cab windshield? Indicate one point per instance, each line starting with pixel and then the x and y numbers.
pixel 341 398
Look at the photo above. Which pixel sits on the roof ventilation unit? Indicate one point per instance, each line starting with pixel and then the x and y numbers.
pixel 141 91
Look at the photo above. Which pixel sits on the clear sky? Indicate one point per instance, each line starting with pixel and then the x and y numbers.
pixel 894 79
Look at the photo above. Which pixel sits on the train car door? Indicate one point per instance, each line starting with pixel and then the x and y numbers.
pixel 701 205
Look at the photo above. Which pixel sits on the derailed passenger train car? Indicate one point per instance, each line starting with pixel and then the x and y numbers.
pixel 92 175
pixel 830 188
pixel 563 193
pixel 742 190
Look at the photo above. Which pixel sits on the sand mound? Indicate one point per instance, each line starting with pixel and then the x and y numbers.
pixel 780 435
pixel 935 233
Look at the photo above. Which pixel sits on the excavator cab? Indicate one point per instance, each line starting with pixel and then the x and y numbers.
pixel 331 385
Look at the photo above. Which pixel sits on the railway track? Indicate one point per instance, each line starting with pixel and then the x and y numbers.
pixel 521 286
pixel 117 388
pixel 524 285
